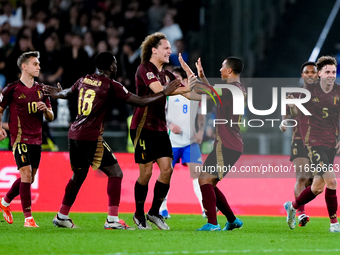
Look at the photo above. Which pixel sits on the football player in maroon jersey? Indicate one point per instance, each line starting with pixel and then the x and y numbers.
pixel 298 152
pixel 320 135
pixel 148 129
pixel 27 105
pixel 87 147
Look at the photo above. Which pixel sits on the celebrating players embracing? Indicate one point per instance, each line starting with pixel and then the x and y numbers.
pixel 87 147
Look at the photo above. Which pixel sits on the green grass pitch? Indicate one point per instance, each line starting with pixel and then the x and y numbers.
pixel 259 235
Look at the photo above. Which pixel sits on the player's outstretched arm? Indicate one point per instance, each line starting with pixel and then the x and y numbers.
pixel 294 111
pixel 282 127
pixel 192 95
pixel 157 87
pixel 57 92
pixel 167 90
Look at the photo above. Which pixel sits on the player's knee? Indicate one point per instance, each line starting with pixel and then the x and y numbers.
pixel 308 182
pixel 205 179
pixel 331 183
pixel 317 190
pixel 79 176
pixel 113 171
pixel 167 171
pixel 146 175
pixel 301 180
pixel 26 176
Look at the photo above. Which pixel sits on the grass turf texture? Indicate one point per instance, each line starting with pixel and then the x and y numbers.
pixel 259 235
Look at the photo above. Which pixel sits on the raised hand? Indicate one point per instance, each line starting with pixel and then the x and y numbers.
pixel 184 65
pixel 171 87
pixel 199 68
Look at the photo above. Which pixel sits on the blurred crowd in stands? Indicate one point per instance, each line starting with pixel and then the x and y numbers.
pixel 69 33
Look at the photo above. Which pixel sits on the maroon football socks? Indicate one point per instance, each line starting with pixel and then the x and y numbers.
pixel 209 203
pixel 223 206
pixel 113 191
pixel 301 210
pixel 13 191
pixel 306 196
pixel 332 204
pixel 25 195
pixel 71 192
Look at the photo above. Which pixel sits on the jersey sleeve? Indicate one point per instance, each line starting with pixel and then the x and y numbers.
pixel 5 96
pixel 47 101
pixel 120 91
pixel 146 74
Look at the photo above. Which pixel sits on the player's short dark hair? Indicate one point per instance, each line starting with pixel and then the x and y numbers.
pixel 236 64
pixel 180 70
pixel 104 60
pixel 325 60
pixel 151 41
pixel 308 63
pixel 25 57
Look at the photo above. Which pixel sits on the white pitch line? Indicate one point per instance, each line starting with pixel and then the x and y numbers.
pixel 268 251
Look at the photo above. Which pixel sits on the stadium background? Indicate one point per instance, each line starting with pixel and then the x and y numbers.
pixel 273 38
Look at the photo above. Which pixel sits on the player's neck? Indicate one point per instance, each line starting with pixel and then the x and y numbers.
pixel 27 79
pixel 326 88
pixel 157 63
pixel 104 73
pixel 233 79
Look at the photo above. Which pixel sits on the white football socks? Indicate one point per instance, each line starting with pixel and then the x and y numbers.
pixel 112 218
pixel 163 205
pixel 4 203
pixel 197 191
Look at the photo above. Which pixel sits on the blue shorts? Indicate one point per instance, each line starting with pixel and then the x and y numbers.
pixel 188 154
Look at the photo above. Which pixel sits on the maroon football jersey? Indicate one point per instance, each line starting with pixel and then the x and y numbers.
pixel 230 135
pixel 151 117
pixel 95 92
pixel 322 127
pixel 25 120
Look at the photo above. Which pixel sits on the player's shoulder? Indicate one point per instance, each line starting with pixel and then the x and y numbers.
pixel 14 84
pixel 11 86
pixel 337 86
pixel 117 84
pixel 147 67
pixel 239 85
pixel 39 85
